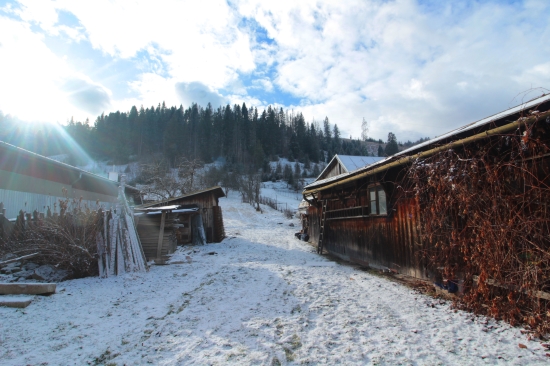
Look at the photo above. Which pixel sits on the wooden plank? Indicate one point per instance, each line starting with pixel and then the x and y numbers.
pixel 136 242
pixel 130 264
pixel 161 235
pixel 101 253
pixel 121 263
pixel 15 301
pixel 27 288
pixel 113 227
pixel 108 266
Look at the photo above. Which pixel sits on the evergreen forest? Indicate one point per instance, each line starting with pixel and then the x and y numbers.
pixel 237 134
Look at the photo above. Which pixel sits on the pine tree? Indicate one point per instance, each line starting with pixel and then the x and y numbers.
pixel 327 135
pixel 336 143
pixel 391 146
pixel 380 151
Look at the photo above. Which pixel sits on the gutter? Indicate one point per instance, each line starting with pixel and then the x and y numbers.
pixel 424 154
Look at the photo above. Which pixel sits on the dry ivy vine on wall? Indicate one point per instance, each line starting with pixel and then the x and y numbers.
pixel 486 219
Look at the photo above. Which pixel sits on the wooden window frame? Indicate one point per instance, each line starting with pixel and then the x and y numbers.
pixel 359 212
pixel 376 189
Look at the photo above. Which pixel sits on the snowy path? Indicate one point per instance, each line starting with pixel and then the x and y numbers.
pixel 259 297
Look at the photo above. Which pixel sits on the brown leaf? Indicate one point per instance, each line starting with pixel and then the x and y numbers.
pixel 522 345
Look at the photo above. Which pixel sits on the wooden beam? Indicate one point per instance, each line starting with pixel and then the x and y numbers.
pixel 27 288
pixel 15 302
pixel 161 234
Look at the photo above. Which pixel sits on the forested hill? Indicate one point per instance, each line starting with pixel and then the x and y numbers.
pixel 238 134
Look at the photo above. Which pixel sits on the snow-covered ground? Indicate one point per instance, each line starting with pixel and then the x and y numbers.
pixel 259 297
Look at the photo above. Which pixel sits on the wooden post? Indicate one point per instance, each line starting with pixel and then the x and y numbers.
pixel 161 235
pixel 113 227
pixel 108 251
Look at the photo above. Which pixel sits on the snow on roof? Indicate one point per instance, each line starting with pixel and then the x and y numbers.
pixel 172 207
pixel 216 190
pixel 159 210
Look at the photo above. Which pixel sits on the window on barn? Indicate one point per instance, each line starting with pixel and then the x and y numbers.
pixel 375 205
pixel 377 198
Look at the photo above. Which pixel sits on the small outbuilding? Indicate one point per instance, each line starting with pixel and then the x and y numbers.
pixel 190 218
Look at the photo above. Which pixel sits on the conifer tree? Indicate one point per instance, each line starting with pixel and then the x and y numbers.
pixel 391 145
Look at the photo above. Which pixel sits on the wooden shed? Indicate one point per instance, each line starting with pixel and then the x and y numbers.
pixel 186 218
pixel 161 229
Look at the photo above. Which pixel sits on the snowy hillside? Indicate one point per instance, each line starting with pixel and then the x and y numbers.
pixel 259 297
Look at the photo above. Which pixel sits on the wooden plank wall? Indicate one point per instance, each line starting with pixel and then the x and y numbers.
pixel 219 231
pixel 391 241
pixel 148 230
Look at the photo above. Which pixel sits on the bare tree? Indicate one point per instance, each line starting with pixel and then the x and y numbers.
pixel 364 130
pixel 249 187
pixel 187 171
pixel 158 180
pixel 162 181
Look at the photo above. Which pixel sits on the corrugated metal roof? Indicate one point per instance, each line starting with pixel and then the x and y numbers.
pixel 11 148
pixel 14 159
pixel 351 162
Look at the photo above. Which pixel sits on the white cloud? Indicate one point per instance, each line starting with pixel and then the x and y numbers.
pixel 200 41
pixel 199 93
pixel 87 95
pixel 416 71
pixel 149 87
pixel 264 84
pixel 36 84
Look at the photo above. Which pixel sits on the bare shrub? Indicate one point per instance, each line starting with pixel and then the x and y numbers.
pixel 66 241
pixel 288 213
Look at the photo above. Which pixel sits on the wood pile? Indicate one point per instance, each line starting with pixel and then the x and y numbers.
pixel 118 245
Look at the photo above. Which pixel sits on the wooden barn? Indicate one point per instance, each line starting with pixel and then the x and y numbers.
pixel 372 215
pixel 191 218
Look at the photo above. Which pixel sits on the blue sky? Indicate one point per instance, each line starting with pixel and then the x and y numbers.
pixel 416 68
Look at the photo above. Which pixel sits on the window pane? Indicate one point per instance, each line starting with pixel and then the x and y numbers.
pixel 372 193
pixel 382 201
